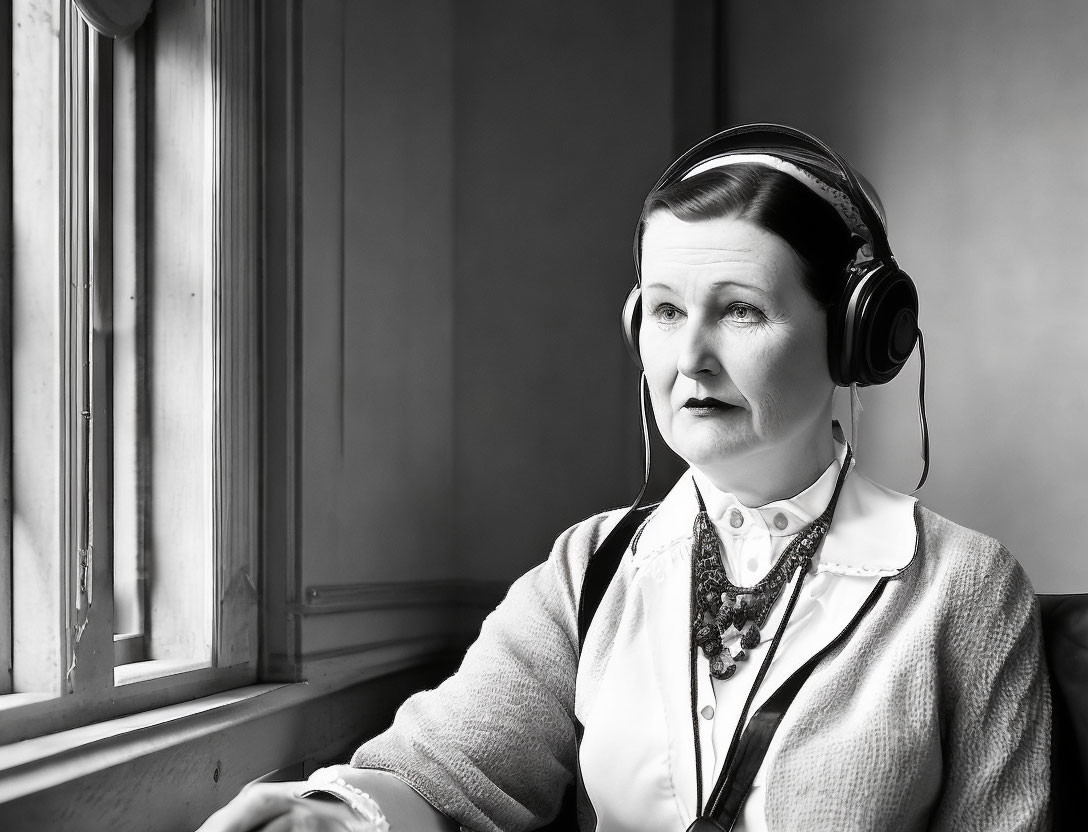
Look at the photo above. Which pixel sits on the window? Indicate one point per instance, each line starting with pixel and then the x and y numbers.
pixel 128 474
pixel 5 358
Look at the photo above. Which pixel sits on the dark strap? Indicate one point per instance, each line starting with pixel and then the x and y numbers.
pixel 731 792
pixel 726 801
pixel 603 565
pixel 599 573
pixel 702 824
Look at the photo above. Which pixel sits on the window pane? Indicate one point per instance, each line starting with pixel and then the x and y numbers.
pixel 38 435
pixel 129 357
pixel 5 356
pixel 167 433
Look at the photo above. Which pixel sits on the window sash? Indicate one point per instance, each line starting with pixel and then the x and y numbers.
pixel 5 354
pixel 131 448
pixel 69 672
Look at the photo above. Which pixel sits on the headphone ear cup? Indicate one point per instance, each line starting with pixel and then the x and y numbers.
pixel 875 326
pixel 631 320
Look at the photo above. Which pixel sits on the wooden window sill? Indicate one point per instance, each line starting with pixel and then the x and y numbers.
pixel 169 768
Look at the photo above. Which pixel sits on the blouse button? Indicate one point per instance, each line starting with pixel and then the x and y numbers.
pixel 780 521
pixel 707 712
pixel 736 519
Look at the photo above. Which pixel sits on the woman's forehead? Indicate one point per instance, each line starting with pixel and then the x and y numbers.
pixel 717 250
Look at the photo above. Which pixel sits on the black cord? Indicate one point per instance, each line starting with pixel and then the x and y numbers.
pixel 643 393
pixel 717 794
pixel 693 665
pixel 923 422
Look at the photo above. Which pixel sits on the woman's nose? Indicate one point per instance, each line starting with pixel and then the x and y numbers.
pixel 698 355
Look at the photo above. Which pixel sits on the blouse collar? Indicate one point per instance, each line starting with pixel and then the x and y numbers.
pixel 781 517
pixel 873 532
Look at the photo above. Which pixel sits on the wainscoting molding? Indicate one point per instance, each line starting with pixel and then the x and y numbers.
pixel 376 595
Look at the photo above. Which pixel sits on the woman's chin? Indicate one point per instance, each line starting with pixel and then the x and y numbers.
pixel 714 451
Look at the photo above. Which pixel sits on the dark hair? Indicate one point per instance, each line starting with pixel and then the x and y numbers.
pixel 774 201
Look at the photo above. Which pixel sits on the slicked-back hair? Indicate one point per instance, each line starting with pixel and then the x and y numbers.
pixel 775 202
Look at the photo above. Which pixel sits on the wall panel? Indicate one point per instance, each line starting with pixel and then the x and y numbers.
pixel 376 270
pixel 462 182
pixel 564 117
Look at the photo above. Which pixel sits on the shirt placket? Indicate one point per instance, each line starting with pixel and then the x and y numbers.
pixel 744 539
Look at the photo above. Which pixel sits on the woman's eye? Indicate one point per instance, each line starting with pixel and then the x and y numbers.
pixel 743 313
pixel 667 313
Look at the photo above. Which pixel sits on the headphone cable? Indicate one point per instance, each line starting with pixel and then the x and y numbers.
pixel 922 421
pixel 643 392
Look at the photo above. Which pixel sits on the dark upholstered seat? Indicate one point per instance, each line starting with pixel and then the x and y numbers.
pixel 1065 632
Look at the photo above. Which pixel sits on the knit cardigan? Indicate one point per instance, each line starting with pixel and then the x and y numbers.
pixel 934 715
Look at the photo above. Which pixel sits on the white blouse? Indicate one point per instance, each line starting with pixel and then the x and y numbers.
pixel 637 753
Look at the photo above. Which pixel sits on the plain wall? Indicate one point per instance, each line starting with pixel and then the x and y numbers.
pixel 564 115
pixel 451 190
pixel 970 119
pixel 376 289
pixel 374 305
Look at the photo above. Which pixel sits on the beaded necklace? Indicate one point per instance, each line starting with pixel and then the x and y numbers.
pixel 720 604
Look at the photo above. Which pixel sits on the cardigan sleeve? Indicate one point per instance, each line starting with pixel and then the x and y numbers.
pixel 493 746
pixel 997 736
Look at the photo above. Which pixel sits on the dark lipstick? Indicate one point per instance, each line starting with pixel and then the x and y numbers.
pixel 706 404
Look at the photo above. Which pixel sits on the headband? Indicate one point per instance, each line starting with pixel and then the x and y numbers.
pixel 838 200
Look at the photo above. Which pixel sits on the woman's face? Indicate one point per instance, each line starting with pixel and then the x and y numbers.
pixel 734 347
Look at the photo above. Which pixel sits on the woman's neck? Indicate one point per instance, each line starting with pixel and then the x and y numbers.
pixel 778 472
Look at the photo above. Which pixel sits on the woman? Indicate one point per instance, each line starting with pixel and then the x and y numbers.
pixel 897 653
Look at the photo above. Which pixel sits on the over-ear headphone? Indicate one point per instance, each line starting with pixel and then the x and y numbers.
pixel 873 327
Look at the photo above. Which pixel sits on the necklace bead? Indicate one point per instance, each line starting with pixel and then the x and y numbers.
pixel 720 670
pixel 749 638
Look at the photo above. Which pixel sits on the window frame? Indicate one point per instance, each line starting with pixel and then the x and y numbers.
pixel 6 685
pixel 88 689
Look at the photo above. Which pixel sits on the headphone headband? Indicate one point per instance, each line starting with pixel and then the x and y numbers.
pixel 802 149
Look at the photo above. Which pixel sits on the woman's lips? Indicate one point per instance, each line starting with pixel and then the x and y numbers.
pixel 709 405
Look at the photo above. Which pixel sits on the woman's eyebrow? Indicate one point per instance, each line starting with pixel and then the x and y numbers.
pixel 716 286
pixel 657 284
pixel 740 284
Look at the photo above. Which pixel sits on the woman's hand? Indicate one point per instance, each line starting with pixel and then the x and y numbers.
pixel 276 807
